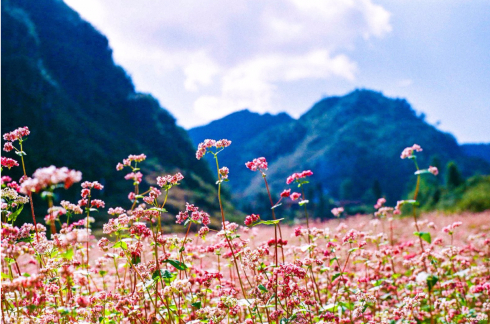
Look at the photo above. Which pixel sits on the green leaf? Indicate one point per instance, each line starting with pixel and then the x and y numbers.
pixel 275 206
pixel 303 202
pixel 139 197
pixel 197 305
pixel 68 254
pixel 163 210
pixel 269 222
pixel 121 244
pixel 335 276
pixel 13 216
pixel 9 261
pixel 20 153
pixel 263 289
pixel 424 236
pixel 176 264
pixel 431 281
pixel 5 276
pixel 46 194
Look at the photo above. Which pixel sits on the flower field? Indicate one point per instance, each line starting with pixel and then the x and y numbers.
pixel 381 268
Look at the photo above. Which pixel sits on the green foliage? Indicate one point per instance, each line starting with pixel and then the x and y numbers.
pixel 453 176
pixel 349 142
pixel 60 80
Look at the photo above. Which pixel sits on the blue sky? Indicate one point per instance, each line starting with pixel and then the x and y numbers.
pixel 205 59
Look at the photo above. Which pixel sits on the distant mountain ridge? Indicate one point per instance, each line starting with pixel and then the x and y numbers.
pixel 350 142
pixel 59 78
pixel 480 150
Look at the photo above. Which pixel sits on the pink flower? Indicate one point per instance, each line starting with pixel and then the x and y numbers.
pixel 224 171
pixel 16 134
pixel 209 143
pixel 295 195
pixel 380 203
pixel 169 180
pixel 8 162
pixel 257 164
pixel 250 219
pixel 337 211
pixel 85 193
pixel 203 231
pixel 119 166
pixel 7 147
pixel 433 170
pixel 297 176
pixel 408 151
pixel 136 177
pixel 131 196
pixel 49 176
pixel 286 193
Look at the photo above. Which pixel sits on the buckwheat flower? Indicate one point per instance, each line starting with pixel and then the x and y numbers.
pixel 380 203
pixel 137 158
pixel 250 219
pixel 337 211
pixel 182 217
pixel 45 177
pixel 97 203
pixel 433 170
pixel 257 164
pixel 16 134
pixel 295 195
pixel 203 231
pixel 85 193
pixel 223 143
pixel 136 177
pixel 8 162
pixel 286 193
pixel 224 171
pixel 7 147
pixel 297 176
pixel 71 207
pixel 119 166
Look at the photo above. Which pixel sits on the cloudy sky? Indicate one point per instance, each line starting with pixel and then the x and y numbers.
pixel 205 59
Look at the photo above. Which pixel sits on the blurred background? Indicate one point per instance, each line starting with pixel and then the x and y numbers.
pixel 338 87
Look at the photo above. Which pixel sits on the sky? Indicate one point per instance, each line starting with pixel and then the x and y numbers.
pixel 206 59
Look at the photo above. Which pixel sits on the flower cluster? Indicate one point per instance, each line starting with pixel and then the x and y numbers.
pixel 250 219
pixel 171 180
pixel 257 164
pixel 131 158
pixel 356 270
pixel 8 162
pixel 408 151
pixel 46 177
pixel 337 211
pixel 17 134
pixel 195 215
pixel 203 147
pixel 298 176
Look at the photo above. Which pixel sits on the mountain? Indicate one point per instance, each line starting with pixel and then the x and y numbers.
pixel 352 143
pixel 477 150
pixel 59 78
pixel 242 128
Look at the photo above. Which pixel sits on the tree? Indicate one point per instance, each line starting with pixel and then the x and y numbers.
pixel 453 176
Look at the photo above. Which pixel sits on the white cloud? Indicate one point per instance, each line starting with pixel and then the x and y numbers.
pixel 229 54
pixel 252 83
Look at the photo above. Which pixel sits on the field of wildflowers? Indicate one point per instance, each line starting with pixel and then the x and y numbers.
pixel 381 268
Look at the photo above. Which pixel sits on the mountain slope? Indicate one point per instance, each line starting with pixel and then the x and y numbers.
pixel 477 150
pixel 243 128
pixel 59 78
pixel 352 144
